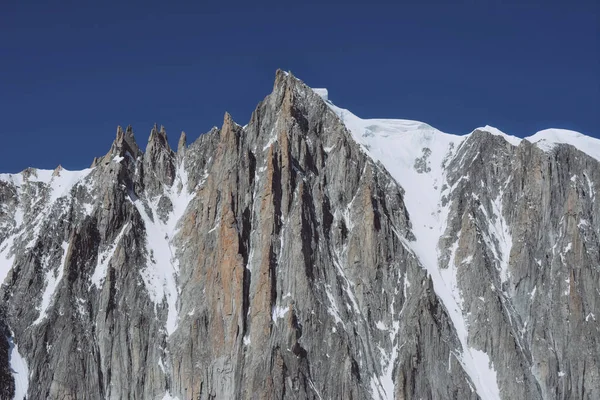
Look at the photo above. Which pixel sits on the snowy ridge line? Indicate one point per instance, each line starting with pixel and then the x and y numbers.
pixel 550 138
pixel 402 146
pixel 545 139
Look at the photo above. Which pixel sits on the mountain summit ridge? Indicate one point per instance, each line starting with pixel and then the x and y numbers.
pixel 308 254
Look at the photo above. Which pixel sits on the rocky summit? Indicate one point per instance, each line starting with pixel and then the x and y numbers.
pixel 309 254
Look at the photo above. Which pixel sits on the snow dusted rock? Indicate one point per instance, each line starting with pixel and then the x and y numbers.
pixel 309 254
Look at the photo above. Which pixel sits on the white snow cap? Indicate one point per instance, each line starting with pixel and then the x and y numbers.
pixel 548 138
pixel 515 141
pixel 323 93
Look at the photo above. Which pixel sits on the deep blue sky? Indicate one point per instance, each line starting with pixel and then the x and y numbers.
pixel 71 72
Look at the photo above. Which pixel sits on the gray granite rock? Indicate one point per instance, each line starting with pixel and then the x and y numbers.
pixel 275 261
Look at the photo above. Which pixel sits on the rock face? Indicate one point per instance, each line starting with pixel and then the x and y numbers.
pixel 306 255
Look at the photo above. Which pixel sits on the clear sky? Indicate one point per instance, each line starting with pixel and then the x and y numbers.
pixel 70 72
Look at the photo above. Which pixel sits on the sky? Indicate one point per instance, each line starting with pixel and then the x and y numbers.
pixel 70 72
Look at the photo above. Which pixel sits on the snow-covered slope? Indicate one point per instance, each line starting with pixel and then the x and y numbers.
pixel 20 371
pixel 39 189
pixel 549 138
pixel 415 154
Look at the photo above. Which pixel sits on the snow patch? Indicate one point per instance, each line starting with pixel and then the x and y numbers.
pixel 19 369
pixel 104 259
pixel 590 187
pixel 279 312
pixel 498 228
pixel 590 316
pixel 53 278
pixel 533 292
pixel 550 138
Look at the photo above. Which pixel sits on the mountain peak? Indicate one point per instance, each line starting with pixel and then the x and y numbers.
pixel 230 127
pixel 124 143
pixel 57 170
pixel 158 137
pixel 182 142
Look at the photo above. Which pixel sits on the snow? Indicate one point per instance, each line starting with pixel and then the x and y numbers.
pixel 515 141
pixel 53 278
pixel 279 312
pixel 168 396
pixel 160 274
pixel 387 364
pixel 60 183
pixel 590 316
pixel 533 292
pixel 313 387
pixel 349 284
pixel 499 230
pixel 6 258
pixel 381 326
pixel 323 93
pixel 333 309
pixel 549 138
pixel 397 144
pixel 272 139
pixel 104 259
pixel 19 369
pixel 590 187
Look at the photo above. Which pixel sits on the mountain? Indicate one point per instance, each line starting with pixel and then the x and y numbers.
pixel 309 254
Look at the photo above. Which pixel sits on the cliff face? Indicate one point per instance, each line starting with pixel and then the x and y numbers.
pixel 308 254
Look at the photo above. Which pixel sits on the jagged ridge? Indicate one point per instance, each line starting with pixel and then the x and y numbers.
pixel 283 259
